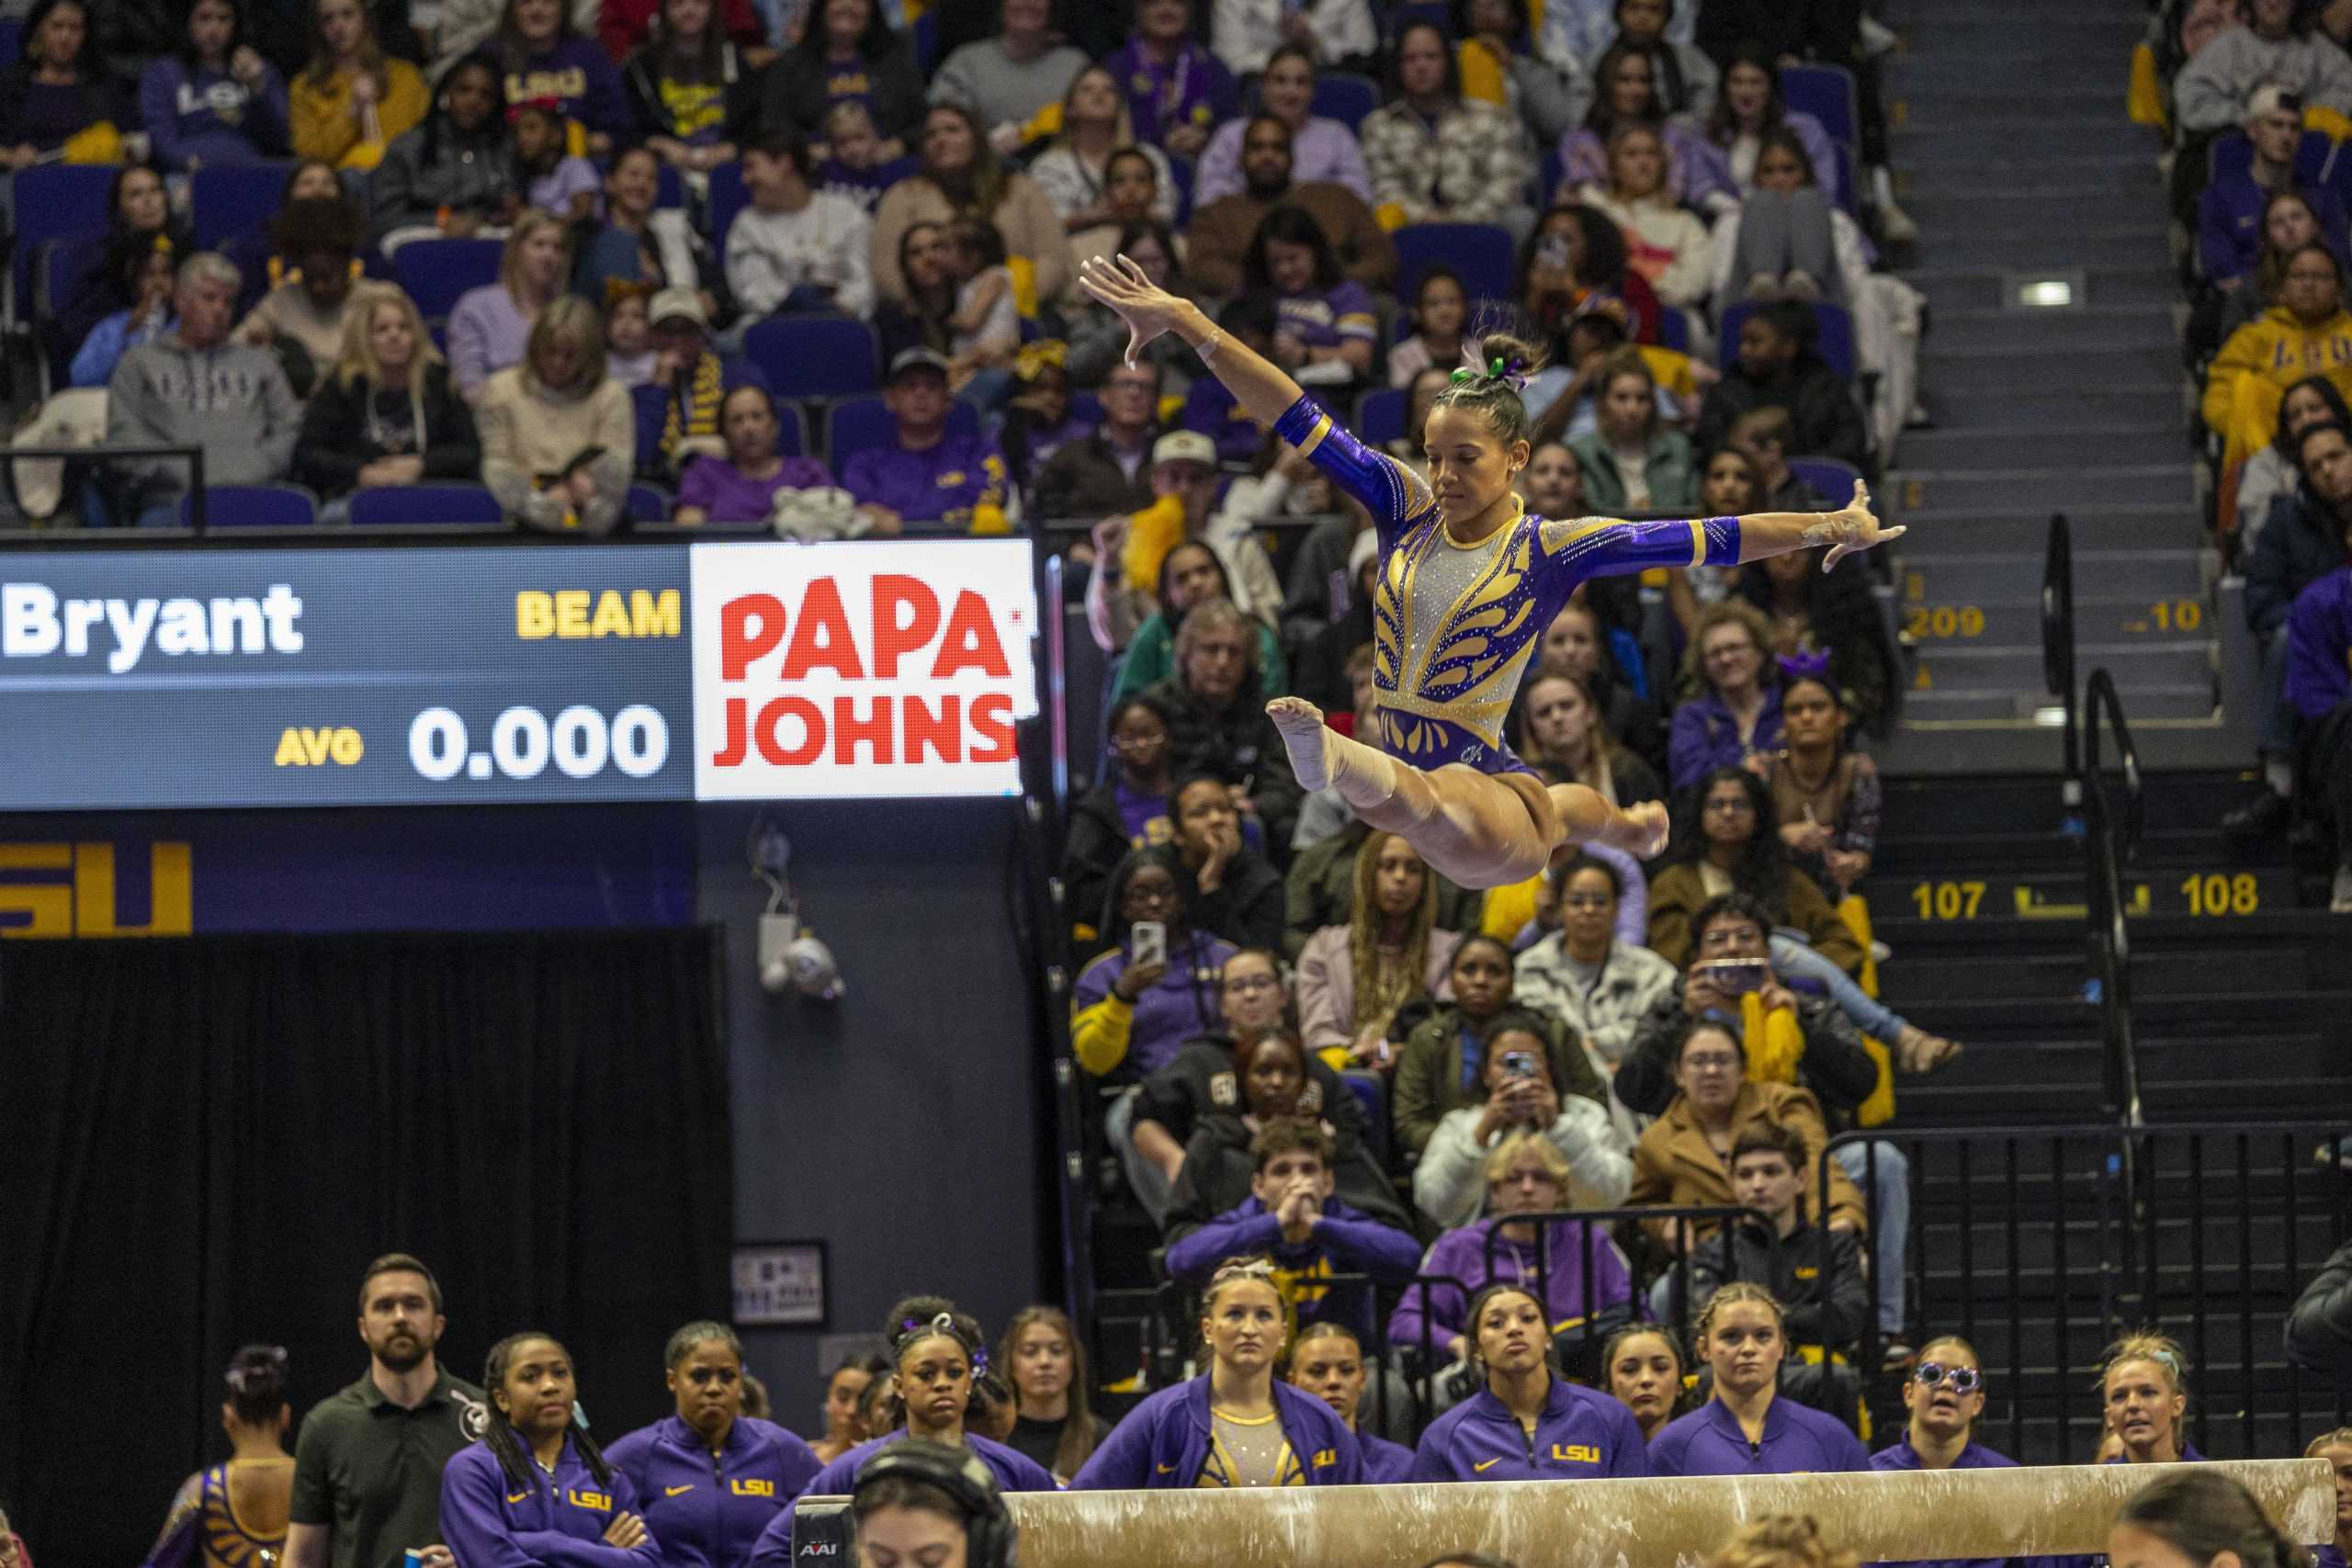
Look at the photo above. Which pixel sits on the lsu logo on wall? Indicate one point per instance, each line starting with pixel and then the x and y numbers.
pixel 61 890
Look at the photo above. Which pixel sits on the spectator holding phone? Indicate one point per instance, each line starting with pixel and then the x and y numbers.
pixel 1438 1070
pixel 1450 1183
pixel 1145 997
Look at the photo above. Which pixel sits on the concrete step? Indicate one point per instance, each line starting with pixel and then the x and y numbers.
pixel 2059 489
pixel 2053 445
pixel 1963 138
pixel 1947 575
pixel 2152 662
pixel 1950 363
pixel 2025 530
pixel 2046 249
pixel 2029 204
pixel 2032 51
pixel 2090 327
pixel 1946 97
pixel 1987 289
pixel 2014 710
pixel 1934 625
pixel 2150 403
pixel 2007 175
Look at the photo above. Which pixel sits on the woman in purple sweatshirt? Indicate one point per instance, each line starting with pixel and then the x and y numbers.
pixel 1236 1425
pixel 1328 1362
pixel 1527 1423
pixel 1945 1394
pixel 542 56
pixel 1583 1276
pixel 537 1492
pixel 1746 1428
pixel 217 101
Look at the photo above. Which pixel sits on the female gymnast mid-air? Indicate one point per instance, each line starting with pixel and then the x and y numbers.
pixel 1468 581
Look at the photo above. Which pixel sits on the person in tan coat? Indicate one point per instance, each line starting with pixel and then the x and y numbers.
pixel 1683 1158
pixel 960 175
pixel 558 434
pixel 1220 235
pixel 1724 838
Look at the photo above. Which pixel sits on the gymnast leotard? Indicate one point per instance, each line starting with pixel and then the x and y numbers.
pixel 1455 624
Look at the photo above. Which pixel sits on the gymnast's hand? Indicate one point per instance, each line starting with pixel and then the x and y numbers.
pixel 1120 284
pixel 1850 530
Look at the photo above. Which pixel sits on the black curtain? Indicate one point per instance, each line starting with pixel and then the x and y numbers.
pixel 203 1142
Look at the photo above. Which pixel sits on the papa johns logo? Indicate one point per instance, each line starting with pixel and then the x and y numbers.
pixel 473 1415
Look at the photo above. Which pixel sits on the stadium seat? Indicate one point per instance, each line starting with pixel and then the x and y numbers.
pixel 1827 93
pixel 671 191
pixel 1832 478
pixel 649 503
pixel 1086 406
pixel 1844 192
pixel 61 271
pixel 436 272
pixel 1833 336
pixel 1372 1094
pixel 814 357
pixel 1480 253
pixel 791 432
pixel 12 41
pixel 229 199
pixel 1380 416
pixel 1673 329
pixel 1555 169
pixel 727 197
pixel 445 505
pixel 1344 96
pixel 856 423
pixel 252 506
pixel 1180 172
pixel 53 201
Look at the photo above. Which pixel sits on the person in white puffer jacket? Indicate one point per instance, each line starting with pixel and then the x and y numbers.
pixel 1450 1183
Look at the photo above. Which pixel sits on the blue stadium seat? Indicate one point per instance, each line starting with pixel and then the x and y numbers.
pixel 791 434
pixel 12 42
pixel 1372 1095
pixel 1087 407
pixel 649 503
pixel 437 328
pixel 1827 93
pixel 229 200
pixel 1180 171
pixel 1673 329
pixel 1380 415
pixel 1844 192
pixel 672 187
pixel 52 202
pixel 727 197
pixel 1344 96
pixel 855 423
pixel 1832 478
pixel 925 39
pixel 1833 335
pixel 446 505
pixel 1555 169
pixel 814 357
pixel 252 506
pixel 1480 253
pixel 435 272
pixel 61 271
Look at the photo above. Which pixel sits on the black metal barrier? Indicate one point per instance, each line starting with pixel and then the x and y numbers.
pixel 128 529
pixel 2047 1243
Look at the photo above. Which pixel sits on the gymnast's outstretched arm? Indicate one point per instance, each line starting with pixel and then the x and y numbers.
pixel 1262 386
pixel 1844 531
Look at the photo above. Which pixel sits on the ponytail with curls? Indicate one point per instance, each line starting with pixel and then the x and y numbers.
pixel 1490 383
pixel 918 1318
pixel 257 1384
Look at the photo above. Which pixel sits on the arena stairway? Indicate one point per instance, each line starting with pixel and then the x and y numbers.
pixel 2243 1004
pixel 2014 157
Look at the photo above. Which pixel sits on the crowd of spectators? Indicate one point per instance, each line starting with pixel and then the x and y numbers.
pixel 689 171
pixel 2253 95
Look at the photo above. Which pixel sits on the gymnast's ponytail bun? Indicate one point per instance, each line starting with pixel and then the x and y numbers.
pixel 1489 381
pixel 1784 1540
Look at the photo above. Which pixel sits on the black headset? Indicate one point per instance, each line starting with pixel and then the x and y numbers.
pixel 961 1473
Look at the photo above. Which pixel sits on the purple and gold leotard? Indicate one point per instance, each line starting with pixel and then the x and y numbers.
pixel 1453 625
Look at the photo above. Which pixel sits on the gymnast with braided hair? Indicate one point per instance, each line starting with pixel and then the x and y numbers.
pixel 1468 581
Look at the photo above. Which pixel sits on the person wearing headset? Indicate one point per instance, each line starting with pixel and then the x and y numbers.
pixel 923 1505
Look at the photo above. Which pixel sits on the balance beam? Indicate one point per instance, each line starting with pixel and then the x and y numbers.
pixel 1666 1522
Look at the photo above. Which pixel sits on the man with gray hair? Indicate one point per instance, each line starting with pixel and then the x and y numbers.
pixel 192 387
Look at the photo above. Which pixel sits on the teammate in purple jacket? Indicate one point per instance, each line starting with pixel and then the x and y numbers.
pixel 1945 1394
pixel 1746 1428
pixel 1468 581
pixel 1328 1362
pixel 1527 1423
pixel 537 1492
pixel 711 1478
pixel 1234 1425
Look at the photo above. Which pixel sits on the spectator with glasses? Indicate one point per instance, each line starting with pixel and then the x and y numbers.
pixel 1945 1394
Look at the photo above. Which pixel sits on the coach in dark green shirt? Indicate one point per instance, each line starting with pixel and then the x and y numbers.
pixel 368 1465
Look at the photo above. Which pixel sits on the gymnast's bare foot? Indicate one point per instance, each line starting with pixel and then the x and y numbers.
pixel 1301 723
pixel 1640 830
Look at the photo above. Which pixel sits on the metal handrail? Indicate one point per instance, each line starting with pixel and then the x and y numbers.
pixel 2058 640
pixel 2110 845
pixel 193 455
